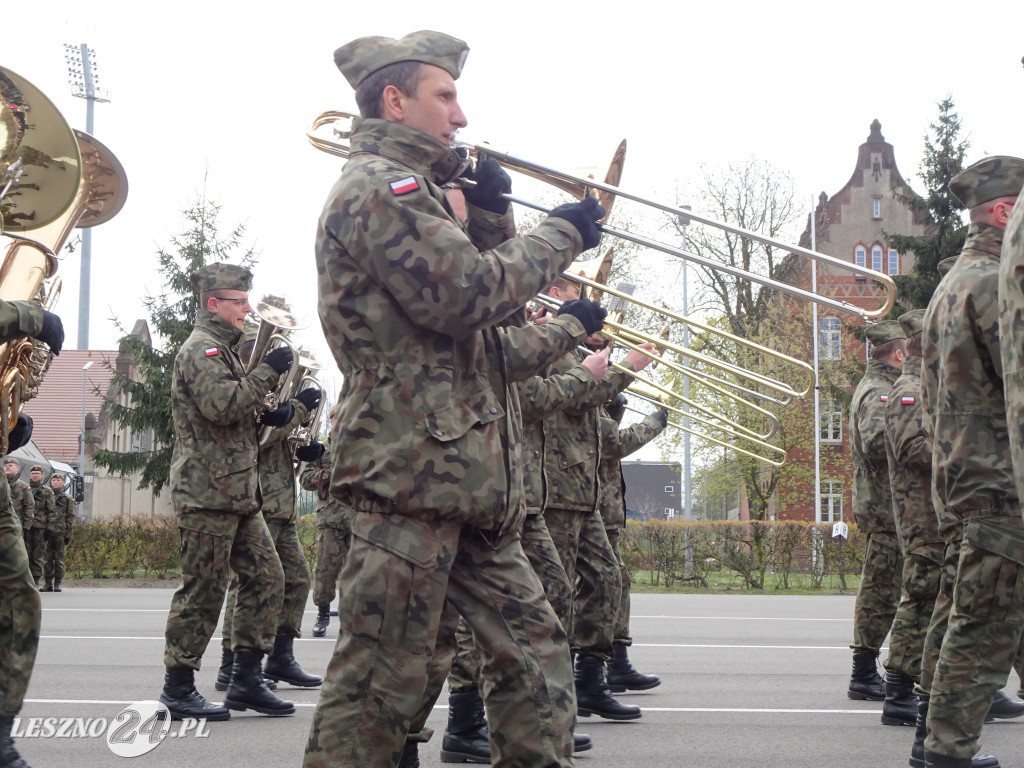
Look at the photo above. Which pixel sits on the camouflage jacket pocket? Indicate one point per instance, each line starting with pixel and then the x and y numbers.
pixel 455 420
pixel 214 476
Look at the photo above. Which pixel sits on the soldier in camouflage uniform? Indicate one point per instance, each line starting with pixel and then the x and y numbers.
pixel 25 506
pixel 215 490
pixel 277 487
pixel 973 479
pixel 426 442
pixel 60 526
pixel 879 592
pixel 42 496
pixel 616 444
pixel 20 607
pixel 333 535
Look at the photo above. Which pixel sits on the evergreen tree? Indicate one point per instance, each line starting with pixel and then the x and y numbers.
pixel 944 152
pixel 145 404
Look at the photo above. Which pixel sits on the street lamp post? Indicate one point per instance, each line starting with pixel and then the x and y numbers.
pixel 81 442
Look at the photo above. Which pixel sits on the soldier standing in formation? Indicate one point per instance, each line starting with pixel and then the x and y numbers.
pixel 20 606
pixel 879 592
pixel 61 525
pixel 215 490
pixel 25 505
pixel 973 477
pixel 42 496
pixel 427 436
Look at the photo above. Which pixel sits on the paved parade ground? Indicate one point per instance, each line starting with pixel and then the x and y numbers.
pixel 746 681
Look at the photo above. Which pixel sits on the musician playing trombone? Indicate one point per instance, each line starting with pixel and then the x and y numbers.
pixel 427 439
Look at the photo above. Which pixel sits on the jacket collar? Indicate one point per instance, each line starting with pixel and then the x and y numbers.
pixel 421 153
pixel 984 238
pixel 217 327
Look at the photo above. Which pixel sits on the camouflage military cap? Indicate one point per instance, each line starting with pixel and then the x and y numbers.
pixel 36 468
pixel 946 264
pixel 988 179
pixel 361 58
pixel 12 460
pixel 912 322
pixel 884 332
pixel 222 277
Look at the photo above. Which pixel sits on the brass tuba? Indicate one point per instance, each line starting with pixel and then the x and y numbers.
pixel 277 319
pixel 52 179
pixel 309 429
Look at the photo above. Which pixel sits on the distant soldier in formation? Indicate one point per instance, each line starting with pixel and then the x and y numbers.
pixel 879 592
pixel 973 475
pixel 42 496
pixel 61 525
pixel 25 505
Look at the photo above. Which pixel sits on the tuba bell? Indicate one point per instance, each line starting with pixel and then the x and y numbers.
pixel 276 320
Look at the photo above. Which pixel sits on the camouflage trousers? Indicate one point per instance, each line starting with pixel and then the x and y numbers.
pixel 587 556
pixel 403 581
pixel 541 552
pixel 940 615
pixel 983 636
pixel 20 611
pixel 879 593
pixel 53 561
pixel 922 572
pixel 332 543
pixel 35 543
pixel 296 583
pixel 215 545
pixel 621 635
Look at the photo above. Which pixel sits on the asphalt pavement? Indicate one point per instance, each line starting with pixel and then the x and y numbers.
pixel 756 681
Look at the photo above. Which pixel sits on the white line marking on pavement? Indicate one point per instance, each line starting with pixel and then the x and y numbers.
pixel 735 618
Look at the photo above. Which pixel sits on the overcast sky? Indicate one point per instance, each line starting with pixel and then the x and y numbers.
pixel 218 96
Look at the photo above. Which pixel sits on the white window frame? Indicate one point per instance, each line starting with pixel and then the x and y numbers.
pixel 876 258
pixel 831 493
pixel 830 338
pixel 860 254
pixel 876 208
pixel 894 262
pixel 830 428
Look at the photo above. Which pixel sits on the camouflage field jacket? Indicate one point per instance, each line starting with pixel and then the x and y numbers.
pixel 215 460
pixel 962 385
pixel 617 444
pixel 426 423
pixel 277 470
pixel 17 319
pixel 1011 335
pixel 872 495
pixel 909 452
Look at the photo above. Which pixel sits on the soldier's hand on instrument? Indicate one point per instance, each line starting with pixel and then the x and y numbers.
pixel 279 416
pixel 588 312
pixel 21 433
pixel 583 215
pixel 640 360
pixel 310 452
pixel 491 183
pixel 597 363
pixel 52 334
pixel 617 407
pixel 280 359
pixel 661 416
pixel 309 397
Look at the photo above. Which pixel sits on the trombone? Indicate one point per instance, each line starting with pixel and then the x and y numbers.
pixel 579 186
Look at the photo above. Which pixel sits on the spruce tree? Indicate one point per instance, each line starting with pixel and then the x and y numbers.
pixel 943 159
pixel 146 402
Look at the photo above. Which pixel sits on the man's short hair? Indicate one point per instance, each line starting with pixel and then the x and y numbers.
pixel 404 75
pixel 885 351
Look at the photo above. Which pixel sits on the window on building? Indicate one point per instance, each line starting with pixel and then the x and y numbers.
pixel 140 442
pixel 669 489
pixel 831 501
pixel 859 254
pixel 876 258
pixel 669 513
pixel 876 208
pixel 831 426
pixel 830 339
pixel 894 261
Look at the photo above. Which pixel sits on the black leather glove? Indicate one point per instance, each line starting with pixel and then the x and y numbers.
pixel 584 216
pixel 67 540
pixel 279 416
pixel 310 452
pixel 21 433
pixel 309 397
pixel 491 183
pixel 588 312
pixel 617 407
pixel 661 416
pixel 279 359
pixel 53 332
pixel 47 534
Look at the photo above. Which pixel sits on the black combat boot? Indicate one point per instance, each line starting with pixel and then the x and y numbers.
pixel 281 665
pixel 47 586
pixel 466 739
pixel 932 760
pixel 183 700
pixel 917 750
pixel 410 755
pixel 581 742
pixel 56 586
pixel 592 694
pixel 323 618
pixel 865 682
pixel 1004 708
pixel 248 690
pixel 622 676
pixel 227 663
pixel 900 707
pixel 9 757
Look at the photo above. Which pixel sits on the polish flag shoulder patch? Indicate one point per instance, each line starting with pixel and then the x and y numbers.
pixel 907 400
pixel 212 352
pixel 884 398
pixel 405 186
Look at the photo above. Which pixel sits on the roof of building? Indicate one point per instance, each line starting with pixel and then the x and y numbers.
pixel 57 410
